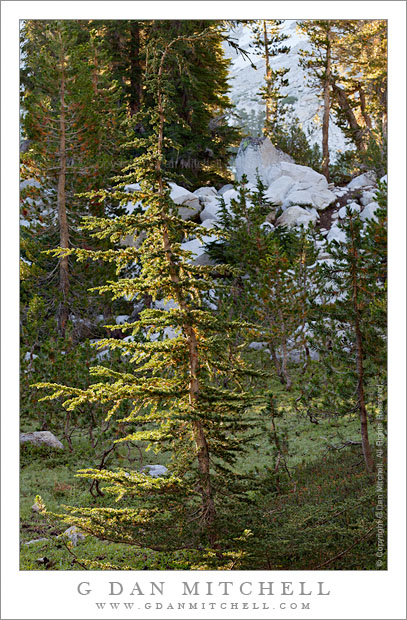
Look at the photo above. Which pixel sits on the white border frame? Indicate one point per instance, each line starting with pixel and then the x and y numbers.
pixel 354 594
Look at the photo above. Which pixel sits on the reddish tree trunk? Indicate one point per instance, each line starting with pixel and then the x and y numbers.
pixel 325 121
pixel 63 311
pixel 367 453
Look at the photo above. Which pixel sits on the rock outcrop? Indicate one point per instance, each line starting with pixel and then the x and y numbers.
pixel 41 438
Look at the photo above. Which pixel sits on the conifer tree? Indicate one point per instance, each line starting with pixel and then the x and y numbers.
pixel 350 322
pixel 71 120
pixel 277 280
pixel 360 88
pixel 318 62
pixel 267 42
pixel 175 399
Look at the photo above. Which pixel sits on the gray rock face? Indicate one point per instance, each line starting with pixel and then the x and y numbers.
pixel 74 535
pixel 279 189
pixel 256 156
pixel 368 179
pixel 369 212
pixel 37 540
pixel 319 198
pixel 155 470
pixel 190 202
pixel 205 191
pixel 41 438
pixel 225 188
pixel 368 196
pixel 295 216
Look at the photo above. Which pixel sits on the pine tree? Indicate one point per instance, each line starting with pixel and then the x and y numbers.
pixel 360 88
pixel 350 323
pixel 71 120
pixel 318 62
pixel 174 400
pixel 199 95
pixel 276 282
pixel 267 43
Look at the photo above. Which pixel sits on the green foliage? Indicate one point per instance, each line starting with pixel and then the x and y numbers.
pixel 185 396
pixel 325 507
pixel 277 280
pixel 262 447
pixel 268 42
pixel 289 137
pixel 351 334
pixel 71 120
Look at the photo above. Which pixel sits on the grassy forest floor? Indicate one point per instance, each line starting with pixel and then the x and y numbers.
pixel 321 514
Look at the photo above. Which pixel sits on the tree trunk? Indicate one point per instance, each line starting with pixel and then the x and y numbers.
pixel 208 512
pixel 366 117
pixel 284 367
pixel 266 52
pixel 367 454
pixel 325 121
pixel 135 69
pixel 63 311
pixel 356 129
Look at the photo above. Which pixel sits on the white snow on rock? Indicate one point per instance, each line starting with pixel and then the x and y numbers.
pixel 367 179
pixel 181 196
pixel 295 216
pixel 369 211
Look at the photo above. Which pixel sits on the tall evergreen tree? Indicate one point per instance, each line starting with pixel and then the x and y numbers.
pixel 360 88
pixel 350 322
pixel 318 62
pixel 268 43
pixel 71 120
pixel 277 280
pixel 174 399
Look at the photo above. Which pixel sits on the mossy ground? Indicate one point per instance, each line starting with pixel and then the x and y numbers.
pixel 299 522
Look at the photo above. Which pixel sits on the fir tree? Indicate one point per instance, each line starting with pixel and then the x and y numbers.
pixel 71 119
pixel 318 62
pixel 267 43
pixel 277 280
pixel 350 322
pixel 174 400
